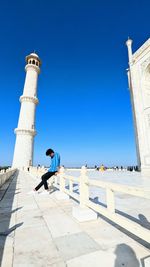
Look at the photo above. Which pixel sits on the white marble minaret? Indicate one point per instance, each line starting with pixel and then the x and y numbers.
pixel 23 153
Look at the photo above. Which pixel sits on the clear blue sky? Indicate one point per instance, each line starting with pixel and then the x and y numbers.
pixel 84 111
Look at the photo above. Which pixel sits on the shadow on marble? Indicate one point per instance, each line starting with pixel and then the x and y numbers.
pixel 10 230
pixel 6 204
pixel 125 256
pixel 17 209
pixel 142 220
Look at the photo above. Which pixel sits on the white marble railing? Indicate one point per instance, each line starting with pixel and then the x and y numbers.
pixel 5 175
pixel 110 188
pixel 36 171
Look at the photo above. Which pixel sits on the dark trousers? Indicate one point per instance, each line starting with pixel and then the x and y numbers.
pixel 44 178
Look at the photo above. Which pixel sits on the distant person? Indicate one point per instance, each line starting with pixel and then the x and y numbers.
pixel 131 168
pixel 38 166
pixel 136 168
pixel 54 168
pixel 102 168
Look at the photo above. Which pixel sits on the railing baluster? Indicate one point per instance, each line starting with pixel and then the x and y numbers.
pixel 84 188
pixel 110 200
pixel 62 180
pixel 55 180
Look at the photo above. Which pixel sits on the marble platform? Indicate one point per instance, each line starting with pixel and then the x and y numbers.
pixel 40 231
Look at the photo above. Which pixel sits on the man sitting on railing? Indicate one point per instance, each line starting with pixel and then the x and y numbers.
pixel 54 168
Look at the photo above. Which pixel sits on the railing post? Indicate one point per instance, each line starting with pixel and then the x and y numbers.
pixel 110 200
pixel 60 195
pixel 83 188
pixel 62 180
pixel 82 213
pixel 55 180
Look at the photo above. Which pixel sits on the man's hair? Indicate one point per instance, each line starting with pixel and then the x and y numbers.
pixel 49 151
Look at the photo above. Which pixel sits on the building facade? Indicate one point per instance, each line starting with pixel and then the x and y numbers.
pixel 139 84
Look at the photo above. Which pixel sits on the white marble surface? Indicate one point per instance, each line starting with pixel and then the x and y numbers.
pixel 40 231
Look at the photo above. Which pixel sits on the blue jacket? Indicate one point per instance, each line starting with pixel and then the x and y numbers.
pixel 55 163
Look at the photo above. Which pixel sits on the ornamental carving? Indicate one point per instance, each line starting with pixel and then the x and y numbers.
pixel 25 132
pixel 29 99
pixel 145 64
pixel 141 49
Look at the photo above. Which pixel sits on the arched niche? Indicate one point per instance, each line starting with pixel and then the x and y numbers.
pixel 146 94
pixel 147 73
pixel 146 80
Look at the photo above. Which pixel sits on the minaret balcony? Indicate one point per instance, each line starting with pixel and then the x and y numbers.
pixel 31 132
pixel 32 99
